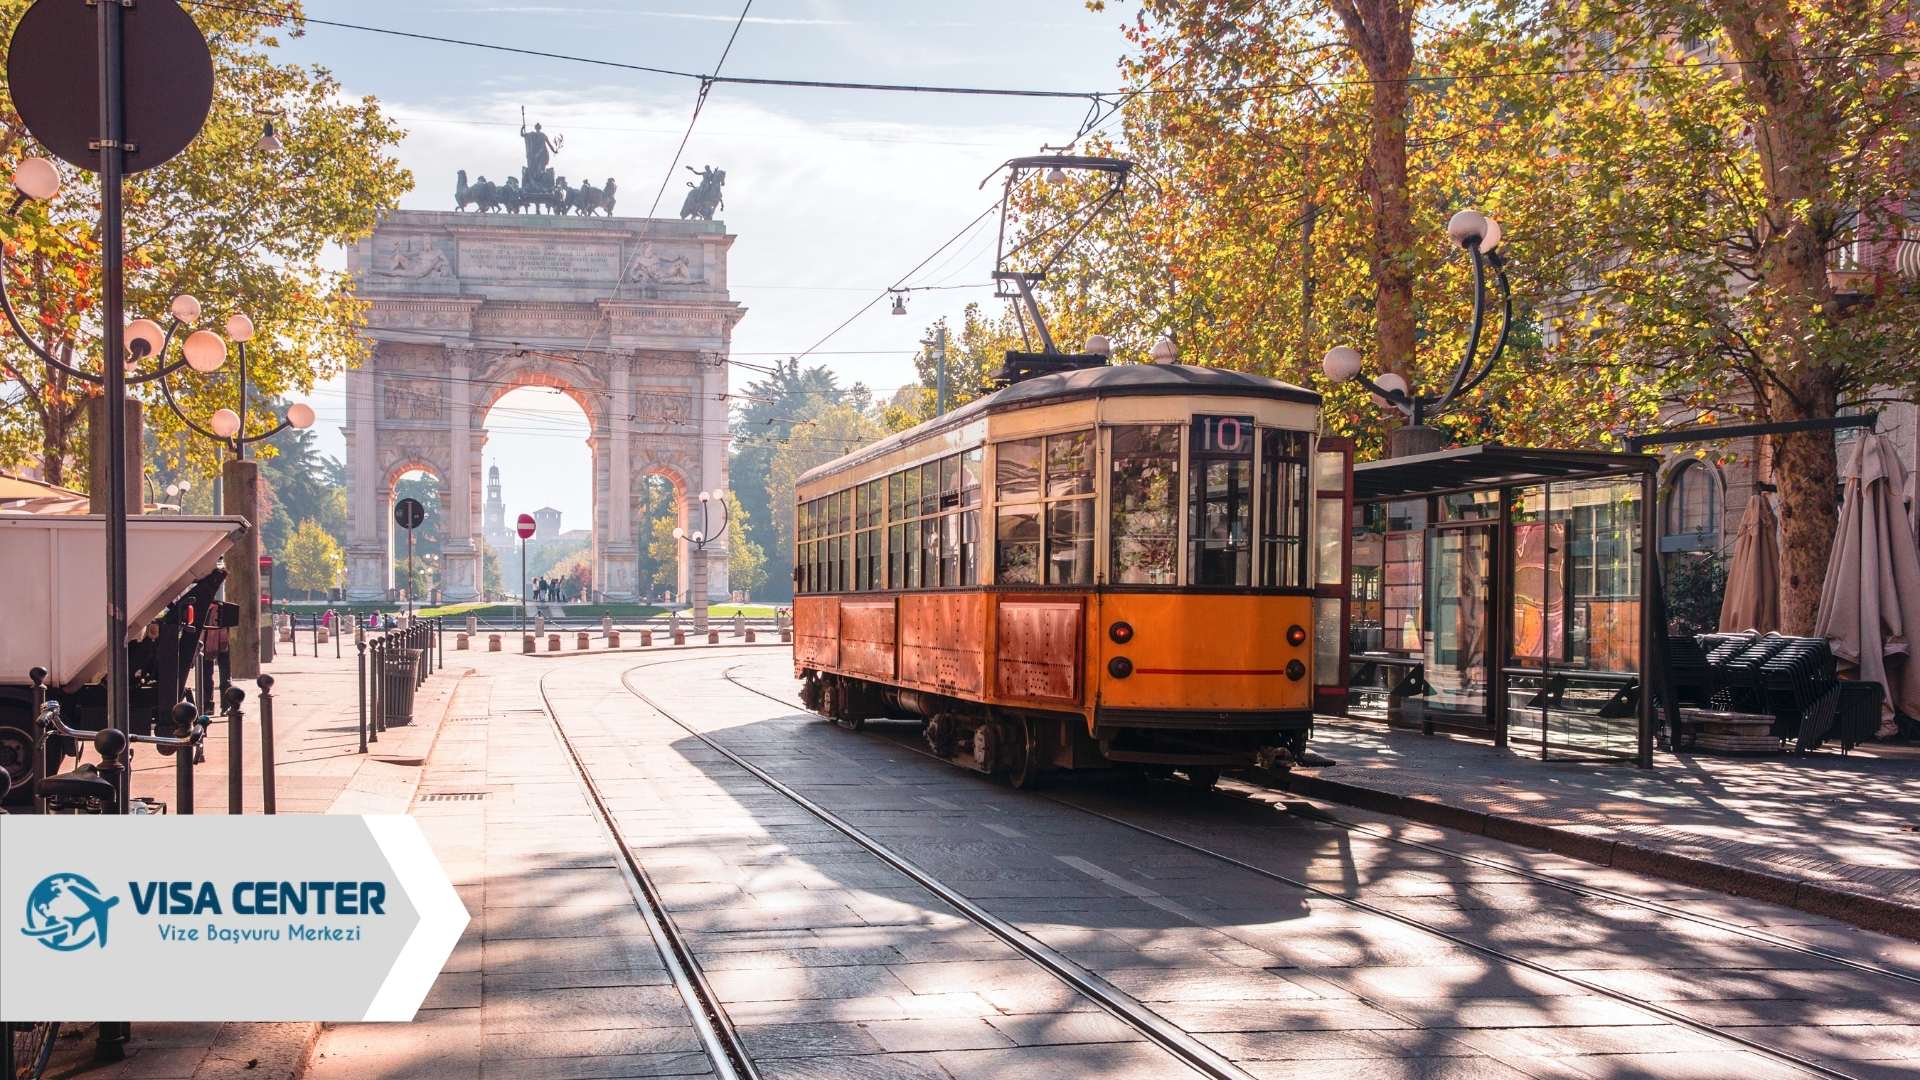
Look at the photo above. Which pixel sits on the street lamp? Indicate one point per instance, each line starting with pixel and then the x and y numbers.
pixel 700 538
pixel 206 351
pixel 1481 236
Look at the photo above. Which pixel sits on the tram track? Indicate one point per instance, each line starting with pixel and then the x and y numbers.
pixel 1652 1009
pixel 1150 1025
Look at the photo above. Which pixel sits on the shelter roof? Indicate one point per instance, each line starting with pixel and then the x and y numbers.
pixel 1486 465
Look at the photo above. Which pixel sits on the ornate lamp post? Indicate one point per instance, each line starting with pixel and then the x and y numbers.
pixel 239 487
pixel 700 538
pixel 1480 235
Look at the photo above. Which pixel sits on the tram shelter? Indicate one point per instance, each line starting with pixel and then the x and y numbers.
pixel 1508 593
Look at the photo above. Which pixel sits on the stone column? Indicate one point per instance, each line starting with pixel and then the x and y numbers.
pixel 459 554
pixel 619 556
pixel 713 463
pixel 366 562
pixel 240 481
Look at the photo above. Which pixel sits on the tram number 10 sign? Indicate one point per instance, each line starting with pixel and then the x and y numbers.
pixel 1221 436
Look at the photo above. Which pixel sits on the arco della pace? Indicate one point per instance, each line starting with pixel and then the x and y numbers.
pixel 629 317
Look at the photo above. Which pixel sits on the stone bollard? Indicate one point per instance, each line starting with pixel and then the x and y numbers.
pixel 606 624
pixel 526 644
pixel 321 635
pixel 646 639
pixel 713 637
pixel 739 625
pixel 673 623
pixel 749 635
pixel 786 636
pixel 679 637
pixel 553 642
pixel 539 625
pixel 473 624
pixel 613 639
pixel 493 642
pixel 286 632
pixel 580 641
pixel 460 642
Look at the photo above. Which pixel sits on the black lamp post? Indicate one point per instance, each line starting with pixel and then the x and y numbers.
pixel 700 538
pixel 1480 235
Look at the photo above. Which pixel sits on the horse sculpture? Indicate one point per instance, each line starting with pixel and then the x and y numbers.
pixel 588 198
pixel 704 200
pixel 483 196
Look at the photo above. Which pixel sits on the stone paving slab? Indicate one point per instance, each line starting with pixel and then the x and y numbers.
pixel 1830 835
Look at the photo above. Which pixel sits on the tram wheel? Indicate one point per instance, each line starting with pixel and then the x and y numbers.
pixel 1027 766
pixel 840 706
pixel 1201 778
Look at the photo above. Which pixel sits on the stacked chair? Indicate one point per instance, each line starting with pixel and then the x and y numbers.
pixel 1791 679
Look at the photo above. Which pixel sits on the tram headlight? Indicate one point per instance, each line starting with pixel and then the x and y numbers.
pixel 1120 632
pixel 1296 635
pixel 1296 670
pixel 1120 667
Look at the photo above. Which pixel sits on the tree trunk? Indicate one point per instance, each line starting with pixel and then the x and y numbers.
pixel 1381 33
pixel 54 435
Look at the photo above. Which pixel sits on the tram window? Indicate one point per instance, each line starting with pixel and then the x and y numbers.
pixel 950 550
pixel 950 481
pixel 896 492
pixel 910 506
pixel 970 547
pixel 1283 514
pixel 1017 547
pixel 1069 464
pixel 1070 542
pixel 930 553
pixel 1146 504
pixel 1017 472
pixel 1221 504
pixel 970 466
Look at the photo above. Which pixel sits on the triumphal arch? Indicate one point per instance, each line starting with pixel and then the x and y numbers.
pixel 630 317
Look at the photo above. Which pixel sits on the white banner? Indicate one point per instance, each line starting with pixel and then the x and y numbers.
pixel 308 917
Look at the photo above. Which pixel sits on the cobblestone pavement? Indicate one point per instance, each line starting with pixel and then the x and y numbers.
pixel 1231 918
pixel 832 963
pixel 1830 834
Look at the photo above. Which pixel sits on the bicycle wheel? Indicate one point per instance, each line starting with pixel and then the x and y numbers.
pixel 29 1047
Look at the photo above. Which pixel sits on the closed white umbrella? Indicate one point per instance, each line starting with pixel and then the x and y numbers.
pixel 1752 599
pixel 1870 603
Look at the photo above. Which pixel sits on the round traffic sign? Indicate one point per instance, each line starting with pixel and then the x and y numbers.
pixel 525 526
pixel 53 74
pixel 408 513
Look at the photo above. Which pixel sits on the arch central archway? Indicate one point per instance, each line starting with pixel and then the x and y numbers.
pixel 536 301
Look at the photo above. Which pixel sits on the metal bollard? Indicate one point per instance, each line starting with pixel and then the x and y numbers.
pixel 185 716
pixel 336 640
pixel 375 684
pixel 230 699
pixel 265 682
pixel 362 647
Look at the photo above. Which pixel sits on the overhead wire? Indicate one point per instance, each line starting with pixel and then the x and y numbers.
pixel 699 103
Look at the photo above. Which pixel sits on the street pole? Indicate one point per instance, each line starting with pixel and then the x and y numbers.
pixel 523 586
pixel 409 577
pixel 940 391
pixel 114 368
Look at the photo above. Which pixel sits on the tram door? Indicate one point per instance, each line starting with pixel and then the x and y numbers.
pixel 1333 571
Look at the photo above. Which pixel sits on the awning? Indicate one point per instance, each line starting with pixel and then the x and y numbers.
pixel 1487 465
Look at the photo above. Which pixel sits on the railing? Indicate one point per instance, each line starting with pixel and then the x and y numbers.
pixel 392 667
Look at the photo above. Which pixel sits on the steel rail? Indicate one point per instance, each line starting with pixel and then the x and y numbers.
pixel 1155 1028
pixel 1652 1009
pixel 723 1045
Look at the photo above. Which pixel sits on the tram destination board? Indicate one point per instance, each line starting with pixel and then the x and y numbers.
pixel 1222 436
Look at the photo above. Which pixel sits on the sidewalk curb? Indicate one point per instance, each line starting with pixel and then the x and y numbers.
pixel 1841 904
pixel 577 654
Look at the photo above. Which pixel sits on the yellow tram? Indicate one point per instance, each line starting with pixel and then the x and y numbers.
pixel 1095 565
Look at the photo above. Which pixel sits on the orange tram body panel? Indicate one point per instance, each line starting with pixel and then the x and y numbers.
pixel 1110 565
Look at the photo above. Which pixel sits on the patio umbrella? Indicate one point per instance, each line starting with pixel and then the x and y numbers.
pixel 1752 600
pixel 1870 604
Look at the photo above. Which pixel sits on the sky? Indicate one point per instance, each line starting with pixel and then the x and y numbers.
pixel 832 194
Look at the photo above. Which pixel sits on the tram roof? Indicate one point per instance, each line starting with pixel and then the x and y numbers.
pixel 1464 468
pixel 1117 380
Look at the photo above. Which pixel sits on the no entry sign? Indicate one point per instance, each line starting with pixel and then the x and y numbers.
pixel 408 513
pixel 525 526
